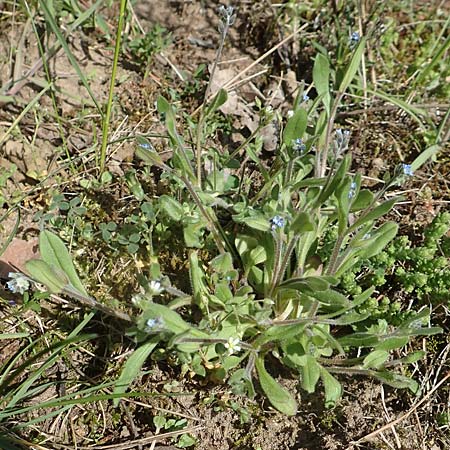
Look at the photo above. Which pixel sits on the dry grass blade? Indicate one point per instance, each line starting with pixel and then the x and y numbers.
pixel 404 416
pixel 262 57
pixel 135 443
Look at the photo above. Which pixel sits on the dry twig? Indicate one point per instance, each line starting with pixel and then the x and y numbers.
pixel 370 436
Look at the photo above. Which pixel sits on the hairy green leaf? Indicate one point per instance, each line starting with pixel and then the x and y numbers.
pixel 148 154
pixel 171 207
pixel 353 66
pixel 310 374
pixel 321 78
pixel 219 99
pixel 280 398
pixel 378 241
pixel 396 380
pixel 375 359
pixel 302 223
pixel 54 253
pixel 49 276
pixel 375 213
pixel 362 201
pixel 318 283
pixel 333 389
pixel 295 127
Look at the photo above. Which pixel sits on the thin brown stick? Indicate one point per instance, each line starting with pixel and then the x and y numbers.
pixel 262 57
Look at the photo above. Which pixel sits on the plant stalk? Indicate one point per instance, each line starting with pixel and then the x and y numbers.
pixel 107 118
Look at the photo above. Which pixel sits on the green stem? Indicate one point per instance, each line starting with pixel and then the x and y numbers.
pixel 279 271
pixel 211 223
pixel 198 146
pixel 276 264
pixel 201 120
pixel 106 120
pixel 334 255
pixel 321 165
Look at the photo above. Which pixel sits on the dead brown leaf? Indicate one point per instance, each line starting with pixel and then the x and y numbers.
pixel 17 254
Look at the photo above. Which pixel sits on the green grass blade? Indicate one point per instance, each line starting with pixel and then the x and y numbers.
pixel 29 382
pixel 133 366
pixel 6 369
pixel 13 335
pixel 437 55
pixel 107 117
pixel 409 109
pixel 425 156
pixel 353 66
pixel 23 388
pixel 23 112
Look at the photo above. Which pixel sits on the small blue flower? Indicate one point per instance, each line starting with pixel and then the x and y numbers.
pixel 154 325
pixel 352 190
pixel 342 134
pixel 355 37
pixel 305 97
pixel 227 17
pixel 407 170
pixel 277 222
pixel 342 137
pixel 146 145
pixel 298 145
pixel 417 324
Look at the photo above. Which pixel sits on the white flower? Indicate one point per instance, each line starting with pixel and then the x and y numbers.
pixel 18 283
pixel 138 299
pixel 155 288
pixel 233 345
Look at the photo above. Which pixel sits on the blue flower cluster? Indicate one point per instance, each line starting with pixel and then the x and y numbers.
pixel 277 222
pixel 146 146
pixel 352 190
pixel 154 325
pixel 18 283
pixel 407 170
pixel 298 146
pixel 354 38
pixel 342 138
